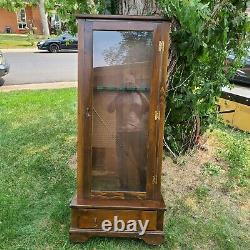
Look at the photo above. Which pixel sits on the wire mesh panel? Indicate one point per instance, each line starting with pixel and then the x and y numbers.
pixel 122 62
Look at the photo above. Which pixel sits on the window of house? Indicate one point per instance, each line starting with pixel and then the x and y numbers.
pixel 21 19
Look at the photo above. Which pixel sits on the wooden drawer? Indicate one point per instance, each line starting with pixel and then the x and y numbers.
pixel 93 218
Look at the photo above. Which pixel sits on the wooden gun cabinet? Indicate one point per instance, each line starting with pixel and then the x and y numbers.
pixel 122 76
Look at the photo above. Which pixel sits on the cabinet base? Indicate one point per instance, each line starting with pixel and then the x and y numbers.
pixel 154 238
pixel 87 218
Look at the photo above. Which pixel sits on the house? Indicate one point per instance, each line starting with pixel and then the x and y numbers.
pixel 17 23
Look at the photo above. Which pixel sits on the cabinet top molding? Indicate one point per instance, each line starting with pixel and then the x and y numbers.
pixel 123 17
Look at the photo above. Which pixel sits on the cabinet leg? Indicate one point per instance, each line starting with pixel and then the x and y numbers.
pixel 79 237
pixel 154 240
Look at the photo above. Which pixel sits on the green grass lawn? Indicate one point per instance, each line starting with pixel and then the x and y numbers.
pixel 9 41
pixel 206 191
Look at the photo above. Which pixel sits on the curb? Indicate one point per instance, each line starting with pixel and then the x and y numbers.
pixel 37 86
pixel 19 50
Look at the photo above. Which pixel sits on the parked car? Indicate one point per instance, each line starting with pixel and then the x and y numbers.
pixel 242 75
pixel 54 45
pixel 4 67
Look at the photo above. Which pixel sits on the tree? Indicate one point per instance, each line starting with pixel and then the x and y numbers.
pixel 203 33
pixel 137 7
pixel 44 19
pixel 206 32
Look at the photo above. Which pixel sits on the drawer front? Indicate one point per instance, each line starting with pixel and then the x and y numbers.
pixel 93 218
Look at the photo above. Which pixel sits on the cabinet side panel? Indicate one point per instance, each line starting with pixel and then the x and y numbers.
pixel 80 115
pixel 152 122
pixel 164 30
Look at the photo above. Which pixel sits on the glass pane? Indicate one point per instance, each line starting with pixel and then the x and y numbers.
pixel 122 62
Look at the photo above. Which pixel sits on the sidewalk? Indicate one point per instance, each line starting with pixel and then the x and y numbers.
pixel 54 85
pixel 20 50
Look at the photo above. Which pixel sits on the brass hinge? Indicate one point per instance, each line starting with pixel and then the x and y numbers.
pixel 157 115
pixel 161 46
pixel 154 181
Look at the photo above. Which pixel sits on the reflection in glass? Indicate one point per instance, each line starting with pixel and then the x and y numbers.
pixel 122 74
pixel 121 47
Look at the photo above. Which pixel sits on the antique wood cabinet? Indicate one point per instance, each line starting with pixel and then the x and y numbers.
pixel 122 75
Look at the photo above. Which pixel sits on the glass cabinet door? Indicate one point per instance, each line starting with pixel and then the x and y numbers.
pixel 122 73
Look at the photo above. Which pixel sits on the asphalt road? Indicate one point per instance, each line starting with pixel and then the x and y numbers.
pixel 44 67
pixel 41 67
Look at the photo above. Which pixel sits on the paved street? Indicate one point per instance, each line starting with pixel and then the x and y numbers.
pixel 41 67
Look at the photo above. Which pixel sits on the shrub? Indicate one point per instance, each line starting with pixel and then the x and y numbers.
pixel 204 34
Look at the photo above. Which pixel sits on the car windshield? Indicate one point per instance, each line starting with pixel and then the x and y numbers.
pixel 66 36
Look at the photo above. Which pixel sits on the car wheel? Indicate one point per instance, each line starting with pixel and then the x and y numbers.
pixel 54 48
pixel 1 81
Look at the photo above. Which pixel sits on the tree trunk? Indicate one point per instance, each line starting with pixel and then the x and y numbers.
pixel 44 19
pixel 138 7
